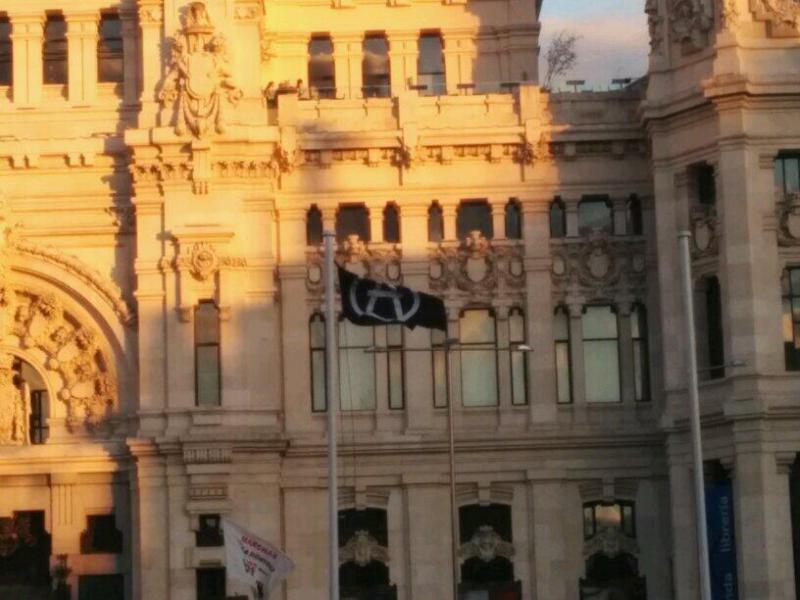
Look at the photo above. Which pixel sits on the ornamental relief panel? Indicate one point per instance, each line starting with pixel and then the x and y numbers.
pixel 705 232
pixel 690 23
pixel 598 268
pixel 486 545
pixel 378 261
pixel 14 407
pixel 787 212
pixel 477 266
pixel 782 16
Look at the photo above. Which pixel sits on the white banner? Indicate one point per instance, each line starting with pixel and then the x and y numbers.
pixel 250 559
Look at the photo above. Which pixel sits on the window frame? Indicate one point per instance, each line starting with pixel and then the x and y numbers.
pixel 623 504
pixel 567 341
pixel 595 199
pixel 558 214
pixel 485 223
pixel 55 51
pixel 330 90
pixel 108 55
pixel 198 345
pixel 435 209
pixel 519 355
pixel 641 359
pixel 6 52
pixel 341 211
pixel 513 221
pixel 314 226
pixel 587 343
pixel 377 84
pixel 388 225
pixel 438 85
pixel 478 347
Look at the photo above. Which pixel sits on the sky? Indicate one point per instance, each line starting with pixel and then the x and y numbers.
pixel 613 38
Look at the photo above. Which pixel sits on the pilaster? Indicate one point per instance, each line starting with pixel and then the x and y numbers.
pixel 402 59
pixel 82 56
pixel 459 52
pixel 27 37
pixel 347 56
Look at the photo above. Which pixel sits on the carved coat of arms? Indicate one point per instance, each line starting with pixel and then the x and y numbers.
pixel 13 407
pixel 198 82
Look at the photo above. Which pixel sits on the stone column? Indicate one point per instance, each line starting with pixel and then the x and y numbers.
pixel 151 20
pixel 402 59
pixel 449 209
pixel 571 210
pixel 576 355
pixel 458 55
pixel 626 366
pixel 248 17
pixel 498 219
pixel 82 57
pixel 347 56
pixel 130 50
pixel 27 38
pixel 375 222
pixel 66 524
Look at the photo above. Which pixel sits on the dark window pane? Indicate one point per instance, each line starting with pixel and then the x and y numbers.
pixel 375 66
pixel 208 375
pixel 594 216
pixel 706 185
pixel 558 220
pixel 794 503
pixel 391 224
pixel 313 227
pixel 209 531
pixel 206 323
pixel 473 516
pixel 430 64
pixel 321 72
pixel 352 220
pixel 513 220
pixel 435 223
pixel 716 348
pixel 474 215
pixel 39 430
pixel 54 50
pixel 101 536
pixel 109 49
pixel 634 217
pixel 107 587
pixel 6 71
pixel 211 583
pixel 641 366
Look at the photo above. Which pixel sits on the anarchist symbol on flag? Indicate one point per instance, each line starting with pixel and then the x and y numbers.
pixel 367 302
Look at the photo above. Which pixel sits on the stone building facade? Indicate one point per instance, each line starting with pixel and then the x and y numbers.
pixel 166 170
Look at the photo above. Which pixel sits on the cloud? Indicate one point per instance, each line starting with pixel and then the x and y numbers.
pixel 610 45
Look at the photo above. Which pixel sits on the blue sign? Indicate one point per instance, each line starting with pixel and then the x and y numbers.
pixel 721 540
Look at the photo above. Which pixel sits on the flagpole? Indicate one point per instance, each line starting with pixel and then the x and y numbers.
pixel 452 452
pixel 331 393
pixel 694 418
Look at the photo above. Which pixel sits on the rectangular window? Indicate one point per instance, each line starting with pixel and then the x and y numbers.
pixel 558 219
pixel 352 219
pixel 38 421
pixel 787 174
pixel 474 215
pixel 435 223
pixel 207 357
pixel 595 215
pixel 210 583
pixel 519 367
pixel 356 367
pixel 107 587
pixel 396 366
pixel 478 339
pixel 6 52
pixel 563 373
pixel 316 327
pixel 439 362
pixel 430 64
pixel 641 366
pixel 601 354
pixel 109 49
pixel 513 220
pixel 716 347
pixel 54 49
pixel 321 72
pixel 375 67
pixel 705 184
pixel 101 536
pixel 209 531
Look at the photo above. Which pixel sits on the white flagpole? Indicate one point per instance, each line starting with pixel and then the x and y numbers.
pixel 694 415
pixel 452 452
pixel 331 393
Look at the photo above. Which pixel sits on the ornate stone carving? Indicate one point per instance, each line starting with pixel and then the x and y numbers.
pixel 704 227
pixel 14 406
pixel 654 25
pixel 728 14
pixel 690 23
pixel 610 541
pixel 477 266
pixel 788 217
pixel 598 268
pixel 203 260
pixel 198 81
pixel 376 261
pixel 783 16
pixel 362 548
pixel 486 544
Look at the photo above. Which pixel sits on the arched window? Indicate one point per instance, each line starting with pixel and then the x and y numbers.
pixel 206 352
pixel 633 216
pixel 601 354
pixel 375 66
pixel 474 215
pixel 595 215
pixel 430 64
pixel 313 226
pixel 54 49
pixel 435 223
pixel 486 538
pixel 562 350
pixel 641 363
pixel 478 339
pixel 6 51
pixel 513 220
pixel 321 72
pixel 519 369
pixel 316 334
pixel 364 533
pixel 558 219
pixel 391 224
pixel 109 49
pixel 352 219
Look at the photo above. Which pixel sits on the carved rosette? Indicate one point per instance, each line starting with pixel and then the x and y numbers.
pixel 598 268
pixel 203 261
pixel 199 82
pixel 783 16
pixel 690 22
pixel 478 267
pixel 380 262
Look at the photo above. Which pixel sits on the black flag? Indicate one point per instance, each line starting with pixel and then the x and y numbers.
pixel 367 302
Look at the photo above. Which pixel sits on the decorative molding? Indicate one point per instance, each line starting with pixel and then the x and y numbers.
pixel 655 26
pixel 782 16
pixel 705 232
pixel 14 407
pixel 198 82
pixel 486 545
pixel 366 259
pixel 362 548
pixel 201 455
pixel 690 22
